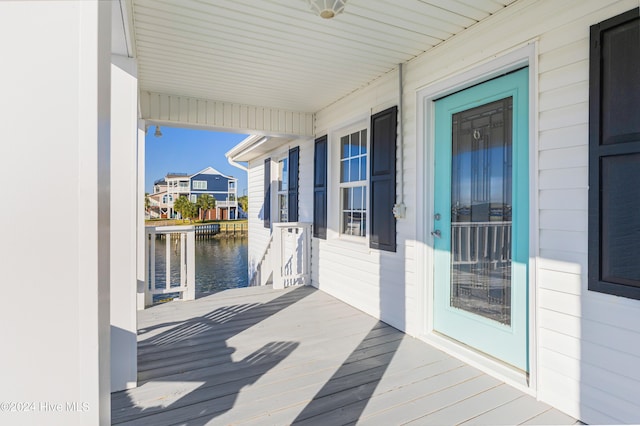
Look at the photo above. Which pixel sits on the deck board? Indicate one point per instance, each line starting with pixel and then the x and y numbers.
pixel 263 356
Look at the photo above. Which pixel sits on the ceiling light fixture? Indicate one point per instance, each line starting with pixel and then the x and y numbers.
pixel 327 9
pixel 158 133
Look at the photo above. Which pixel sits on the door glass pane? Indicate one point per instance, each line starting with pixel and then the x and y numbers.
pixel 481 211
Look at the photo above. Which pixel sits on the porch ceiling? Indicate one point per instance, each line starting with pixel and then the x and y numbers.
pixel 278 53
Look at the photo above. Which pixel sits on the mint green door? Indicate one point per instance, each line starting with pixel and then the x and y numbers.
pixel 481 217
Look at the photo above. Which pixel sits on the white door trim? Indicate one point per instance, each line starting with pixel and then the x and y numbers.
pixel 525 55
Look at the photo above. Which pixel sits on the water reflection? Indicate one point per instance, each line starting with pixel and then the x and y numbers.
pixel 220 264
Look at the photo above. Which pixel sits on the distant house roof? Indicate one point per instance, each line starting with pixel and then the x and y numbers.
pixel 173 175
pixel 210 171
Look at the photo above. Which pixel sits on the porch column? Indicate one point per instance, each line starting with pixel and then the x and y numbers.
pixel 55 152
pixel 124 214
pixel 140 234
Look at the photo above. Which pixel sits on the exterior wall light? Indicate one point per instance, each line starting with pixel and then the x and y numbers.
pixel 327 9
pixel 158 133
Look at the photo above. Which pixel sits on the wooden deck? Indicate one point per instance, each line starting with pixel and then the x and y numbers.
pixel 258 356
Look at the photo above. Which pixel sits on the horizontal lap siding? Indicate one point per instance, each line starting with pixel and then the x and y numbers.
pixel 351 271
pixel 258 234
pixel 584 365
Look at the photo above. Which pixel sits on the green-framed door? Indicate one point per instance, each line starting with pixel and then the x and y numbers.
pixel 481 217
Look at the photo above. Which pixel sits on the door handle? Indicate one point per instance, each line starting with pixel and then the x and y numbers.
pixel 436 233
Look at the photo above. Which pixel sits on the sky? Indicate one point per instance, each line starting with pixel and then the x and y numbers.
pixel 189 151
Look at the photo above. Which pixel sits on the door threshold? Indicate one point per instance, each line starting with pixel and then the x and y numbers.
pixel 513 376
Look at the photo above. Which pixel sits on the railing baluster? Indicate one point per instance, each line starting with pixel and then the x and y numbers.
pixel 190 282
pixel 492 242
pixel 167 258
pixel 183 264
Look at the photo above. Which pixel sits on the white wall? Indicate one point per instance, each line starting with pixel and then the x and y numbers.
pixel 258 238
pixel 587 344
pixel 55 245
pixel 378 282
pixel 124 205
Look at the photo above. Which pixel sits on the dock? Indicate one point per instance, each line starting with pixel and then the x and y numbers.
pixel 258 356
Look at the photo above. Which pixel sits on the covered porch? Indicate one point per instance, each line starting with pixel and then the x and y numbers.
pixel 262 356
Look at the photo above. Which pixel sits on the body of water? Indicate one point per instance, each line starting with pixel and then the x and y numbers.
pixel 220 264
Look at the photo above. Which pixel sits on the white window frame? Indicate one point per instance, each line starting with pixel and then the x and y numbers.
pixel 197 185
pixel 335 207
pixel 193 198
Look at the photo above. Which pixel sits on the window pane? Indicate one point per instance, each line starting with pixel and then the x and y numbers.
pixel 355 144
pixel 357 198
pixel 353 224
pixel 283 175
pixel 344 171
pixel 283 207
pixel 346 198
pixel 363 142
pixel 354 170
pixel 345 149
pixel 481 165
pixel 363 168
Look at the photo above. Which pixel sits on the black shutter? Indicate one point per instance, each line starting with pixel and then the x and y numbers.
pixel 266 205
pixel 614 156
pixel 294 158
pixel 382 180
pixel 320 188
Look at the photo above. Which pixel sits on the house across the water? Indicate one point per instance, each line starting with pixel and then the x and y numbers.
pixel 465 171
pixel 222 188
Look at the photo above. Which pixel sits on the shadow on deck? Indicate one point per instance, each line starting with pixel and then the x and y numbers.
pixel 260 356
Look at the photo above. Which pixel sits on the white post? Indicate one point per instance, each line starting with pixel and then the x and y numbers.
pixel 183 259
pixel 56 123
pixel 141 235
pixel 124 203
pixel 190 294
pixel 276 257
pixel 307 254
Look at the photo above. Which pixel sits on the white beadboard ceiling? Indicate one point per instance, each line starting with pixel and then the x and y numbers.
pixel 278 53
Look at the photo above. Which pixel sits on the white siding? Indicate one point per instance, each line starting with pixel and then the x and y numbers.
pixel 586 368
pixel 258 234
pixel 588 344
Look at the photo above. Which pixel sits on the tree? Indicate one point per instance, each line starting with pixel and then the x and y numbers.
pixel 186 208
pixel 147 204
pixel 206 202
pixel 243 202
pixel 191 211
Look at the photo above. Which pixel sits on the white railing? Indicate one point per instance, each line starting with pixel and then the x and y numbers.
pixel 291 254
pixel 182 240
pixel 481 242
